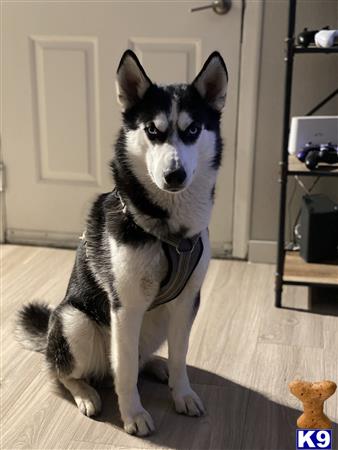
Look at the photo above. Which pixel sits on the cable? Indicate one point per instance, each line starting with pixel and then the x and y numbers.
pixel 322 103
pixel 302 185
pixel 289 208
pixel 295 229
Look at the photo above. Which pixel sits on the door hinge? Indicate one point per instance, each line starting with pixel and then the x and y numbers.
pixel 2 177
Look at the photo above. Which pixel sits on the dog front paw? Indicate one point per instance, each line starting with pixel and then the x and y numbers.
pixel 140 424
pixel 188 403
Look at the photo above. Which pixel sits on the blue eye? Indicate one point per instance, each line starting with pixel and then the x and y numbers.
pixel 193 129
pixel 151 129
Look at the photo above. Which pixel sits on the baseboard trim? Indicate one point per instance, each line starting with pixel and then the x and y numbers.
pixel 262 251
pixel 43 238
pixel 71 240
pixel 221 250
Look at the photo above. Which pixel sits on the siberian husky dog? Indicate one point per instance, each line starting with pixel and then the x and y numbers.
pixel 139 238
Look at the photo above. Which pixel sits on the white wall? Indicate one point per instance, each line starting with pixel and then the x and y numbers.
pixel 315 76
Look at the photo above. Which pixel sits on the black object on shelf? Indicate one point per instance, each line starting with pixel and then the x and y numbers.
pixel 291 51
pixel 307 37
pixel 318 229
pixel 312 155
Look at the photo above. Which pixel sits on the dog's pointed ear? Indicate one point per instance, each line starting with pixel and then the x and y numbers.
pixel 131 80
pixel 212 81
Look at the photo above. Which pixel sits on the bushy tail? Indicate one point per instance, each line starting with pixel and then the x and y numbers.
pixel 32 326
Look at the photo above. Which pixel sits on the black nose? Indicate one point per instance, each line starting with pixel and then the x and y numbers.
pixel 175 178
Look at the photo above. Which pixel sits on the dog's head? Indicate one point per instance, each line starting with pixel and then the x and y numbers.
pixel 172 129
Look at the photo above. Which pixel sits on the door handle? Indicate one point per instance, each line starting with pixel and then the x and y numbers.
pixel 218 6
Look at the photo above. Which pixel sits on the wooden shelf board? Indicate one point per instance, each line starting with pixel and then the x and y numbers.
pixel 323 169
pixel 297 270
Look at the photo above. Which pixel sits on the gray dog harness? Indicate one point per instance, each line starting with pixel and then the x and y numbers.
pixel 182 255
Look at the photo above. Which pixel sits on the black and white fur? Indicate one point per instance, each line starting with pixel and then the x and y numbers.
pixel 165 165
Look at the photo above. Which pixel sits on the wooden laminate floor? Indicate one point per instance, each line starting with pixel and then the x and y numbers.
pixel 243 353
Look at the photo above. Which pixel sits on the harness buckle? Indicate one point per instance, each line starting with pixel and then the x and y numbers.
pixel 181 250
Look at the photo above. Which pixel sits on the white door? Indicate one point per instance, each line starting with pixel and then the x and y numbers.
pixel 60 116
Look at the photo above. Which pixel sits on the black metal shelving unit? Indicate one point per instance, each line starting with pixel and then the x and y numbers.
pixel 290 167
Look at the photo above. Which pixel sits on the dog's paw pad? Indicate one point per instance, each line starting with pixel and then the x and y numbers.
pixel 140 425
pixel 89 404
pixel 189 404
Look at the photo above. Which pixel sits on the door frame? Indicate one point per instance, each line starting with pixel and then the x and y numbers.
pixel 250 57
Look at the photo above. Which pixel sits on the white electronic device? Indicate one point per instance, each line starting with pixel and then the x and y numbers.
pixel 314 129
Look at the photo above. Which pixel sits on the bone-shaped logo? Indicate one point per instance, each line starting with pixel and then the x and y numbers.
pixel 313 395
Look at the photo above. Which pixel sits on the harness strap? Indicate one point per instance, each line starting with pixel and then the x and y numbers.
pixel 181 265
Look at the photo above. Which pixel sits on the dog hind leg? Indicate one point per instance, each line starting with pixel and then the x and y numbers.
pixel 78 348
pixel 158 368
pixel 86 397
